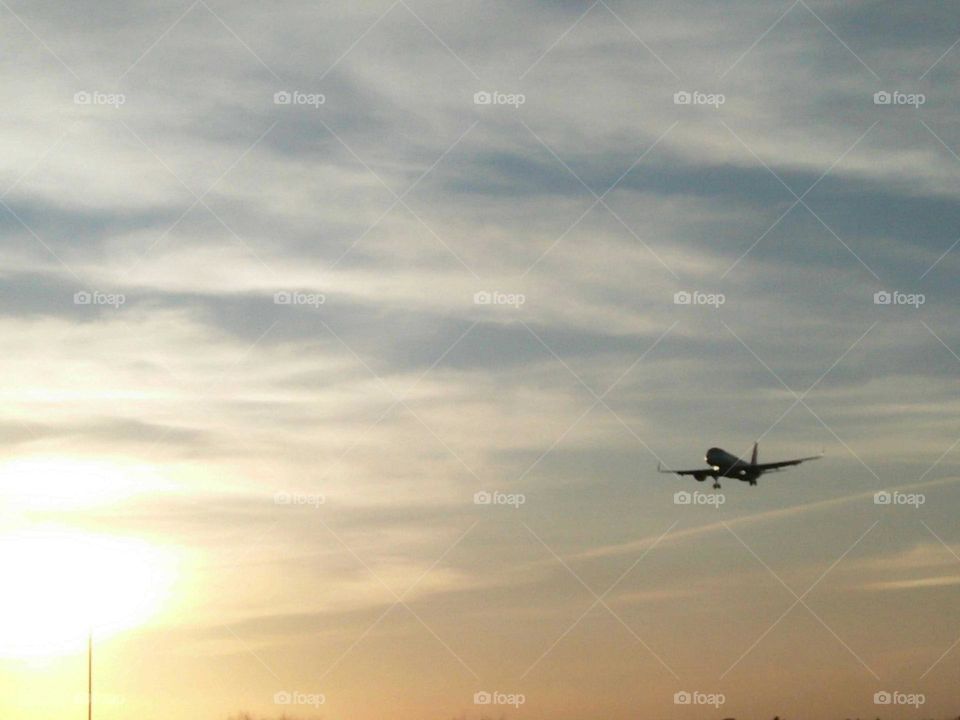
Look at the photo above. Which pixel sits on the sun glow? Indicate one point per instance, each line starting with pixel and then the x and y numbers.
pixel 59 584
pixel 59 581
pixel 58 483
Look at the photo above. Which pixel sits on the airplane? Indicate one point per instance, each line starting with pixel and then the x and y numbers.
pixel 724 465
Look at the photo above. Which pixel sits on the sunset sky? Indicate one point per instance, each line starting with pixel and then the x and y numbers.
pixel 286 285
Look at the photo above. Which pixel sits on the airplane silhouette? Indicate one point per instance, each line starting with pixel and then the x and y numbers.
pixel 724 465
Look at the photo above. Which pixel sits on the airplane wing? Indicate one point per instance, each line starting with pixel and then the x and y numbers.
pixel 699 474
pixel 767 467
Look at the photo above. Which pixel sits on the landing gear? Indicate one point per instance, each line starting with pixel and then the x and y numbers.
pixel 716 485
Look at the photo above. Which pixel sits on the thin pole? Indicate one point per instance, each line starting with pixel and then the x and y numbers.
pixel 90 674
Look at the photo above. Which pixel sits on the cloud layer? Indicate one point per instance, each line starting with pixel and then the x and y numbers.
pixel 287 249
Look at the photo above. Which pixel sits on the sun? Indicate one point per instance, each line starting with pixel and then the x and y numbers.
pixel 60 584
pixel 61 578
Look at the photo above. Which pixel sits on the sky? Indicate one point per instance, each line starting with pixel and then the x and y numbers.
pixel 341 343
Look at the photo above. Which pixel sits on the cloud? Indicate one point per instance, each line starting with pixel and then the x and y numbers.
pixel 398 199
pixel 917 583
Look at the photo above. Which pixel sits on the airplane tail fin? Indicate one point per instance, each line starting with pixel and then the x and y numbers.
pixel 753 459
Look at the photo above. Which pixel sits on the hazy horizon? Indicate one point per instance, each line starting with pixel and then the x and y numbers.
pixel 343 341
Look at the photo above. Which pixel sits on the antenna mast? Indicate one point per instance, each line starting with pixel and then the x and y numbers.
pixel 90 674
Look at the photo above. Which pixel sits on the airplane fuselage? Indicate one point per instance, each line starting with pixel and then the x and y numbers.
pixel 731 466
